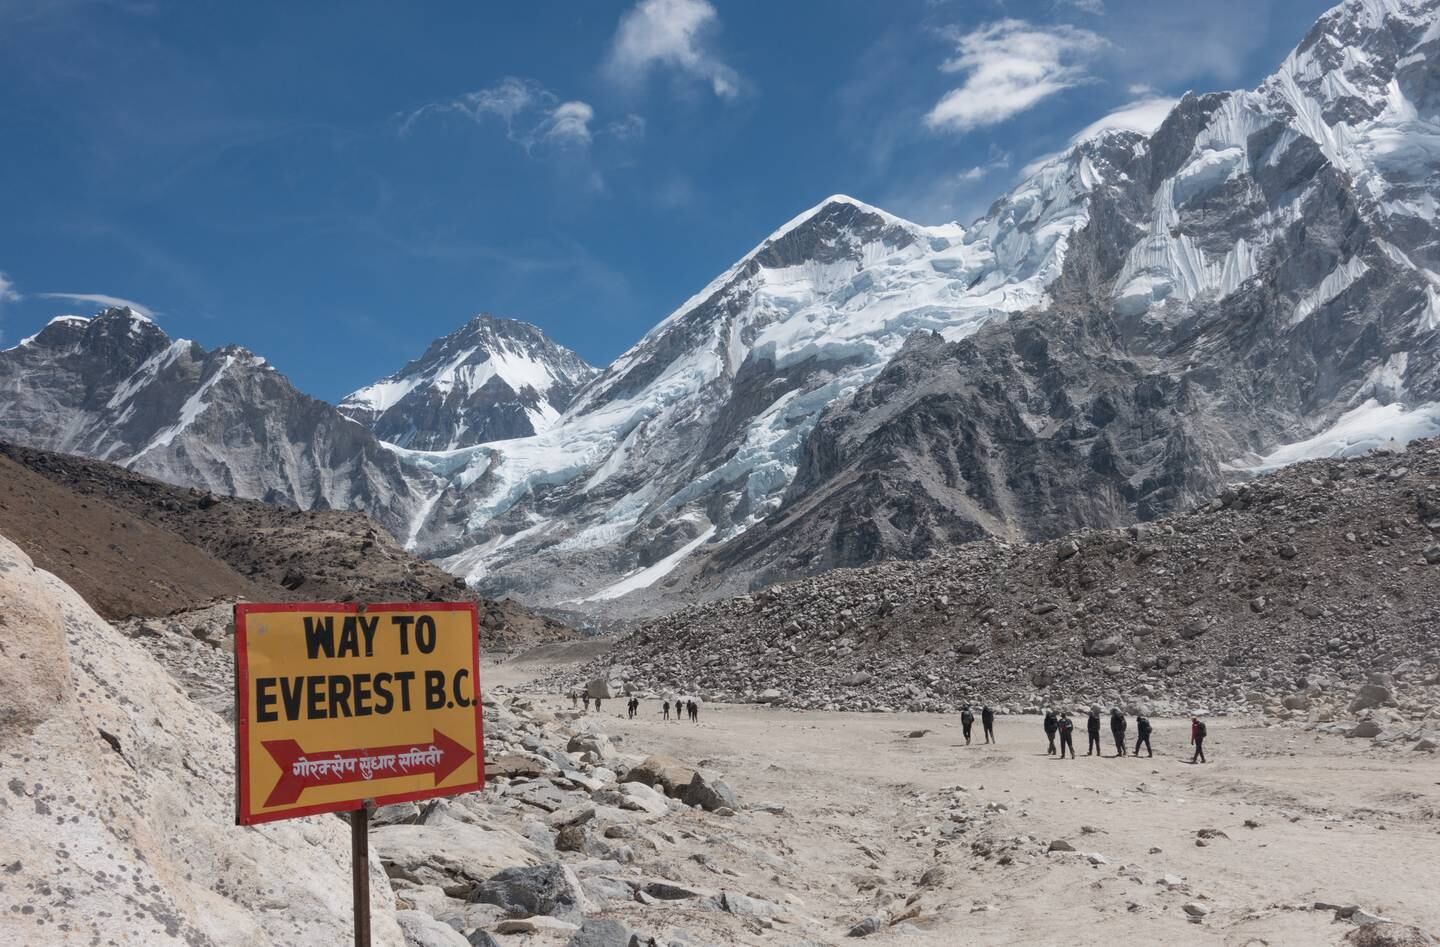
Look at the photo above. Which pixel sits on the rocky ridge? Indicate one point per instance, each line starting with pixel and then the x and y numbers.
pixel 134 546
pixel 1312 593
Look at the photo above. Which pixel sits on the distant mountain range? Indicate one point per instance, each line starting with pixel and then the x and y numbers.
pixel 1140 319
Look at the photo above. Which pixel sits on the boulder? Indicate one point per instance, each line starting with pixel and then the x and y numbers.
pixel 448 853
pixel 709 794
pixel 769 696
pixel 422 930
pixel 1371 696
pixel 665 773
pixel 550 889
pixel 1365 729
pixel 597 743
pixel 603 688
pixel 605 932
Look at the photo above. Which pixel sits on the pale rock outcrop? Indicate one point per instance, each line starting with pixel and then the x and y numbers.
pixel 117 800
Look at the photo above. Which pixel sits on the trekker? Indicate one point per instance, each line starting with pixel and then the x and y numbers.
pixel 1142 735
pixel 967 720
pixel 987 720
pixel 575 700
pixel 694 709
pixel 665 708
pixel 1092 727
pixel 679 710
pixel 597 705
pixel 1197 737
pixel 1052 726
pixel 1117 730
pixel 1066 726
pixel 587 703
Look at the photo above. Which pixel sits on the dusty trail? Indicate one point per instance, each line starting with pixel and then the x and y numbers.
pixel 869 810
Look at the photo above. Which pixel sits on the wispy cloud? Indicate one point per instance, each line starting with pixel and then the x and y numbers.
pixel 531 114
pixel 673 34
pixel 1142 115
pixel 1011 66
pixel 1094 7
pixel 101 299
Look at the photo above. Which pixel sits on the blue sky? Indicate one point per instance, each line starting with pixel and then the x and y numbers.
pixel 335 184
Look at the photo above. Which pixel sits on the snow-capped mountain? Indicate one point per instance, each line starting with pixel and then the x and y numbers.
pixel 118 388
pixel 1258 271
pixel 490 380
pixel 1139 320
pixel 694 435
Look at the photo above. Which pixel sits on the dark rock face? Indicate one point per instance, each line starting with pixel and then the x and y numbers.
pixel 1105 407
pixel 490 380
pixel 117 388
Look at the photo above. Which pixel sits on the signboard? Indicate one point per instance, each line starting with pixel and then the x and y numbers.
pixel 340 703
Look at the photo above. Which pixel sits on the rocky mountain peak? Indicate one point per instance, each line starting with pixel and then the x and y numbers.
pixel 491 379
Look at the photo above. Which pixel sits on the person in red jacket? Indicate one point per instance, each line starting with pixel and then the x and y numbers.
pixel 1197 737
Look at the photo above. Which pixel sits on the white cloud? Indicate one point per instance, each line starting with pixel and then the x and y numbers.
pixel 674 34
pixel 532 114
pixel 569 122
pixel 1011 66
pixel 101 299
pixel 1097 7
pixel 630 127
pixel 1143 116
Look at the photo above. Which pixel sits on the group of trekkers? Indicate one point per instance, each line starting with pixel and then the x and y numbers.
pixel 987 721
pixel 688 709
pixel 1059 724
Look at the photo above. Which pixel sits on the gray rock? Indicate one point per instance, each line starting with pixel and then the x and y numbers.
pixel 604 932
pixel 1196 908
pixel 422 930
pixel 867 926
pixel 709 794
pixel 1103 646
pixel 549 889
pixel 1060 845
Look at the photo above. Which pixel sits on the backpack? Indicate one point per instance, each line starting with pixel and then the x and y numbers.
pixel 1200 729
pixel 1066 725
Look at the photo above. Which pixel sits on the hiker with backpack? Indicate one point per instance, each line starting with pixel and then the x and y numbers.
pixel 1052 726
pixel 987 721
pixel 1142 735
pixel 1197 737
pixel 1066 728
pixel 1092 727
pixel 1117 730
pixel 967 720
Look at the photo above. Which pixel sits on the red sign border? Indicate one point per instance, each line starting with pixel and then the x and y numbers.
pixel 243 610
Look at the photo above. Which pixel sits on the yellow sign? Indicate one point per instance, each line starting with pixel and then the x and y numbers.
pixel 339 703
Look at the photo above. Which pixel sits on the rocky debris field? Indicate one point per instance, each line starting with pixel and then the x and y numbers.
pixel 1311 592
pixel 134 546
pixel 756 825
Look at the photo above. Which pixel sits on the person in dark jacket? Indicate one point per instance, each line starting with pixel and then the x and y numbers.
pixel 679 709
pixel 665 708
pixel 1197 737
pixel 1052 726
pixel 1066 728
pixel 967 720
pixel 1118 726
pixel 586 698
pixel 1092 727
pixel 987 720
pixel 1142 735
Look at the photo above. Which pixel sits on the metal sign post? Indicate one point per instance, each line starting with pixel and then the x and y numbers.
pixel 360 870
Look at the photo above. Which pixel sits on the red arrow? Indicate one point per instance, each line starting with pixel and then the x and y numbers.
pixel 300 770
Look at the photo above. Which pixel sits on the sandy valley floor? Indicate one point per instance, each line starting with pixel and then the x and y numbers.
pixel 869 810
